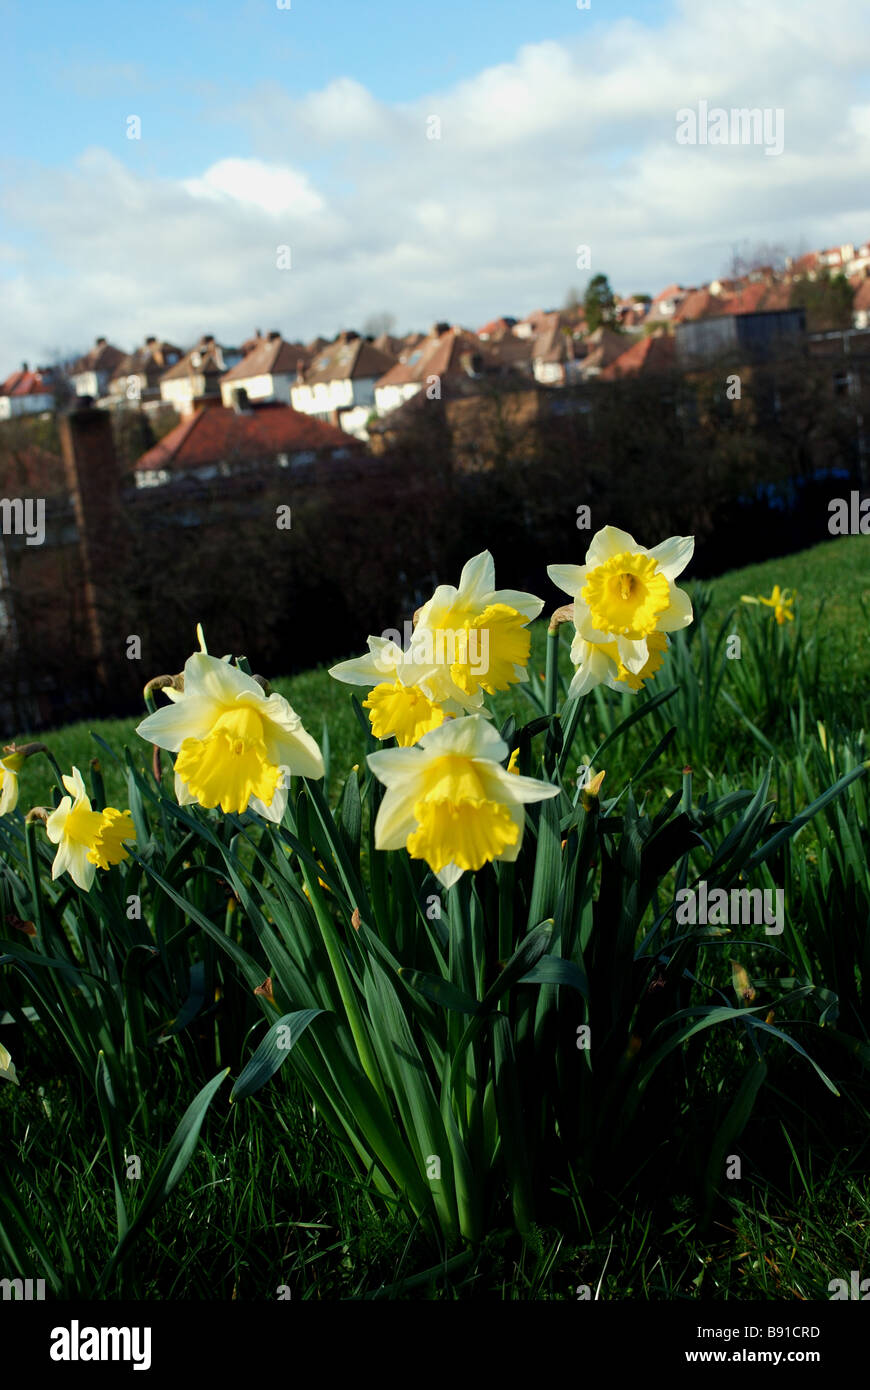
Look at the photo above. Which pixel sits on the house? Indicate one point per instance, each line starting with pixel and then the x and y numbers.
pixel 339 383
pixel 495 329
pixel 651 355
pixel 749 336
pixel 602 347
pixel 267 372
pixel 555 354
pixel 216 442
pixel 698 304
pixel 664 305
pixel 91 374
pixel 137 377
pixel 26 393
pixel 198 373
pixel 534 323
pixel 446 352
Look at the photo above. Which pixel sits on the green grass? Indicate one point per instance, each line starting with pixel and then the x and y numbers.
pixel 832 579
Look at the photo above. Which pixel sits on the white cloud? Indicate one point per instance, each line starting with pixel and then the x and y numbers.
pixel 570 143
pixel 255 184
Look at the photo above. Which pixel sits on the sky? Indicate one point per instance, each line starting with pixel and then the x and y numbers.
pixel 305 165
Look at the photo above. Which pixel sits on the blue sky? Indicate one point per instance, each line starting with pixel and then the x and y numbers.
pixel 307 127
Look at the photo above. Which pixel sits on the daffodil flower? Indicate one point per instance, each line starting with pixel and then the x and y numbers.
pixel 7 1070
pixel 450 801
pixel 10 766
pixel 236 746
pixel 781 601
pixel 467 642
pixel 86 839
pixel 625 599
pixel 481 631
pixel 398 703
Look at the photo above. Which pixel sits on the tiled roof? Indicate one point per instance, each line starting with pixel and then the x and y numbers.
pixel 150 360
pixel 210 361
pixel 700 304
pixel 438 355
pixel 215 433
pixel 271 356
pixel 25 383
pixel 349 358
pixel 656 353
pixel 103 357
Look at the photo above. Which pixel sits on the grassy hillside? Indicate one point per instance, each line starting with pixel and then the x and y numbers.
pixel 833 586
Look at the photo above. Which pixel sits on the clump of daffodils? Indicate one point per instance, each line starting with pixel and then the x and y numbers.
pixel 625 602
pixel 86 839
pixel 781 601
pixel 467 642
pixel 236 747
pixel 450 800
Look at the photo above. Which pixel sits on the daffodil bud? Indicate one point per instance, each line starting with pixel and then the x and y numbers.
pixel 589 794
pixel 565 614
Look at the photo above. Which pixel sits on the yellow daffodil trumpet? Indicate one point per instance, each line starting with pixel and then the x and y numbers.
pixel 450 801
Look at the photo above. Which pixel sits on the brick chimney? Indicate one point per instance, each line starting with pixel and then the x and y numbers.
pixel 93 480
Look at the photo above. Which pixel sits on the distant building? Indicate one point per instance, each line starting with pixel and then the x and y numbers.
pixel 267 372
pixel 748 336
pixel 25 393
pixel 198 373
pixel 216 442
pixel 137 377
pixel 91 374
pixel 338 385
pixel 651 355
pixel 447 352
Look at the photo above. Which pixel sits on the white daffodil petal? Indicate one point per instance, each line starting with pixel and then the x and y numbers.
pixel 7 1069
pixel 673 555
pixel 510 853
pixel 296 750
pixel 471 737
pixel 609 541
pixel 450 874
pixel 169 726
pixel 511 789
pixel 395 766
pixel 477 577
pixel 679 614
pixel 56 821
pixel 183 796
pixel 396 819
pixel 571 578
pixel 527 604
pixel 633 654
